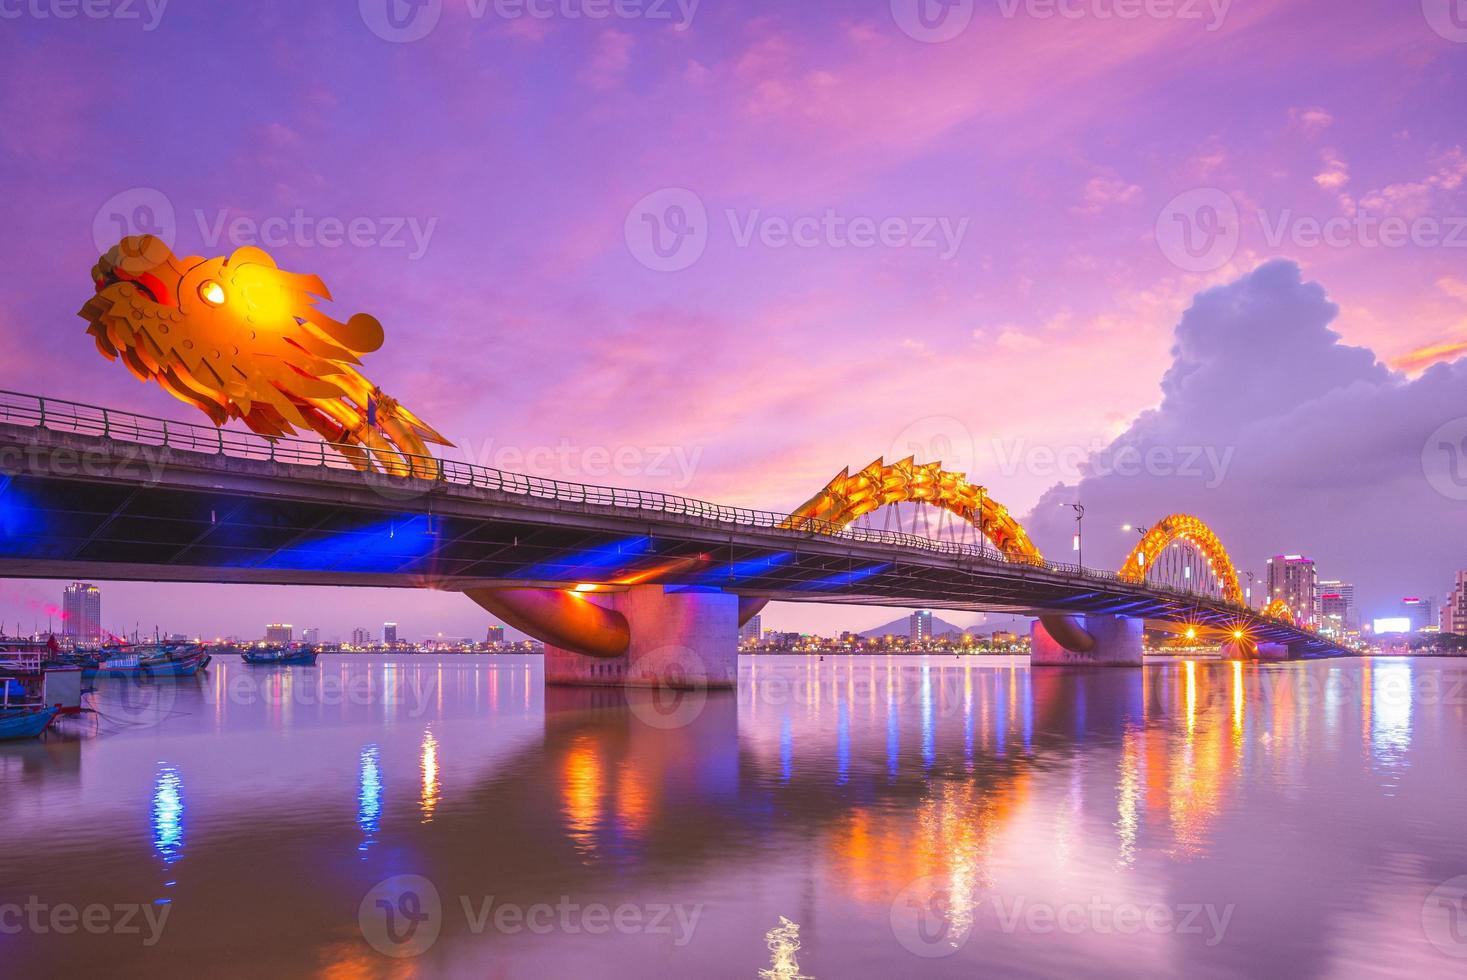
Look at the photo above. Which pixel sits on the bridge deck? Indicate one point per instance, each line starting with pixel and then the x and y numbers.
pixel 124 497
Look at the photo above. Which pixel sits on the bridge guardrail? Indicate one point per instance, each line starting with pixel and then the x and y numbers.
pixel 57 415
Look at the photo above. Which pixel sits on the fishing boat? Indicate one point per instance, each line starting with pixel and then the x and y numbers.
pixel 154 662
pixel 30 685
pixel 303 657
pixel 25 722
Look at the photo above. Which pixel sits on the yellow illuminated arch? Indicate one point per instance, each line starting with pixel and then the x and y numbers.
pixel 850 496
pixel 1183 527
pixel 1279 609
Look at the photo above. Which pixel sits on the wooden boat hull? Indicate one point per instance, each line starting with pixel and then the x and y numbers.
pixel 25 723
pixel 294 660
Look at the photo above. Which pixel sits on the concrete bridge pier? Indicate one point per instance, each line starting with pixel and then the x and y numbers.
pixel 672 637
pixel 1095 640
pixel 1246 649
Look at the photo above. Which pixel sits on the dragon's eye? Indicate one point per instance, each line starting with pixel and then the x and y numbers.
pixel 212 293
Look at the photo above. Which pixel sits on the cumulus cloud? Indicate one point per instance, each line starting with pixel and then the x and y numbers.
pixel 1311 119
pixel 1105 192
pixel 1284 439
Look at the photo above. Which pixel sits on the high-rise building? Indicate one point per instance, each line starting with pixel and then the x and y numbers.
pixel 495 638
pixel 920 628
pixel 279 633
pixel 389 634
pixel 361 637
pixel 1292 579
pixel 752 631
pixel 1337 605
pixel 1454 612
pixel 81 610
pixel 311 635
pixel 1418 611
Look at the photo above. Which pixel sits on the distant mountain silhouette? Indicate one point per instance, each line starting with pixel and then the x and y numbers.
pixel 903 627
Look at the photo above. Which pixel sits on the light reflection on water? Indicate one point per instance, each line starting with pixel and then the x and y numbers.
pixel 1320 802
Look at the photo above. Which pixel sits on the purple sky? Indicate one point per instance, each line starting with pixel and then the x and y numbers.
pixel 1027 242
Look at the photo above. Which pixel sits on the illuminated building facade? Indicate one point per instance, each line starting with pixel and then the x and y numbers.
pixel 81 606
pixel 921 626
pixel 279 633
pixel 1337 605
pixel 1292 578
pixel 1454 612
pixel 752 631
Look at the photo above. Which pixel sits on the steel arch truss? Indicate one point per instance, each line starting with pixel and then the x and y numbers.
pixel 851 496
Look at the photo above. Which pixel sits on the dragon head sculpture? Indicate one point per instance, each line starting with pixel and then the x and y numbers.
pixel 240 338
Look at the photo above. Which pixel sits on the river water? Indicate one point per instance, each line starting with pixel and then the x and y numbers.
pixel 451 817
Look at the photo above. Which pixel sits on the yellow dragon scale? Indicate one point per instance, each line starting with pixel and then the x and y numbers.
pixel 240 338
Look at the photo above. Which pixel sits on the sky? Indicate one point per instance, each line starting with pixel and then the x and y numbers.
pixel 745 245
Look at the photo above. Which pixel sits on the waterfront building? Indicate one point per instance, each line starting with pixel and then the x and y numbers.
pixel 1336 603
pixel 389 634
pixel 81 606
pixel 920 629
pixel 1454 611
pixel 1292 578
pixel 495 637
pixel 281 633
pixel 752 631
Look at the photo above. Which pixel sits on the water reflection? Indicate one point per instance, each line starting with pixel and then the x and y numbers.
pixel 168 817
pixel 431 789
pixel 369 796
pixel 1309 796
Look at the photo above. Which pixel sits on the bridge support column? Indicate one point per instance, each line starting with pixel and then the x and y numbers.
pixel 1116 643
pixel 1246 649
pixel 679 639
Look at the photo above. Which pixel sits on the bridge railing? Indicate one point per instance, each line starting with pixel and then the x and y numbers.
pixel 57 415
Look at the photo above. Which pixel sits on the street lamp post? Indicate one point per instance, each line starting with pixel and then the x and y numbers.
pixel 1079 510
